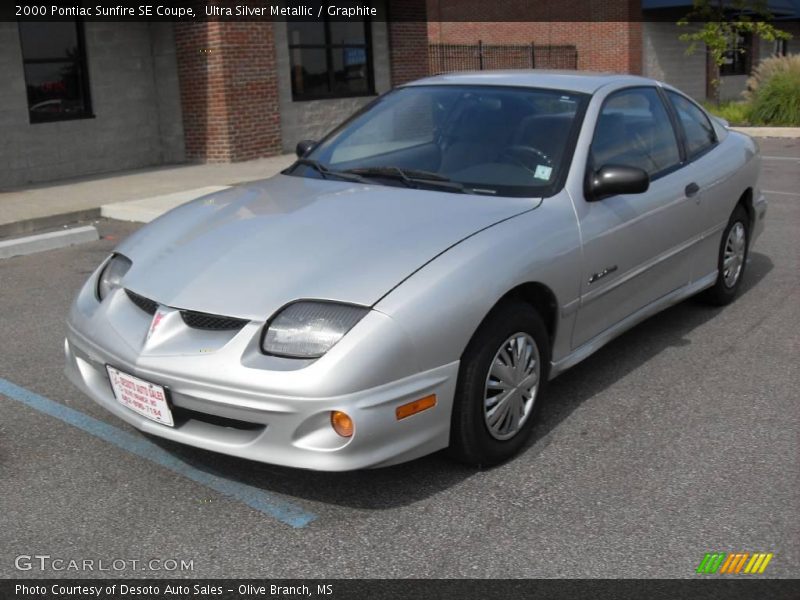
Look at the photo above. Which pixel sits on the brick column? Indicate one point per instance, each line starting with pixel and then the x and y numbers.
pixel 630 46
pixel 229 90
pixel 408 40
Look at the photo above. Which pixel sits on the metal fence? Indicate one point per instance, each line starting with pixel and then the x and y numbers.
pixel 446 58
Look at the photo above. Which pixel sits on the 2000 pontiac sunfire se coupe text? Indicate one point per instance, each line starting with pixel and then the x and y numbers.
pixel 413 281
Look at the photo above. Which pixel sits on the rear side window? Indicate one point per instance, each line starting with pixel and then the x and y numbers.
pixel 697 128
pixel 634 130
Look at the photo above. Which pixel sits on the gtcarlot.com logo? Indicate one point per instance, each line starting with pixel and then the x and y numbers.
pixel 736 563
pixel 46 562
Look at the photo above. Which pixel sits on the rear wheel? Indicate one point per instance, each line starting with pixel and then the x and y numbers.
pixel 732 259
pixel 498 396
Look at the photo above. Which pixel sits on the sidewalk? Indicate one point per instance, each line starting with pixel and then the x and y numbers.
pixel 49 204
pixel 770 132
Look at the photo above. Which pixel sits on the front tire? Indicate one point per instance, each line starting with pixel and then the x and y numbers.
pixel 503 374
pixel 732 259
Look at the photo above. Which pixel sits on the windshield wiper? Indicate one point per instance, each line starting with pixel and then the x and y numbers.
pixel 411 177
pixel 388 172
pixel 326 172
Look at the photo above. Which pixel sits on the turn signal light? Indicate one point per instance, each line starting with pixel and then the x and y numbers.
pixel 342 423
pixel 412 408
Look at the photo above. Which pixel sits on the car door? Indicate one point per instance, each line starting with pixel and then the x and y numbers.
pixel 710 170
pixel 634 245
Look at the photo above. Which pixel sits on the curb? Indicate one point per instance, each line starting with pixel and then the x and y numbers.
pixel 769 132
pixel 47 241
pixel 47 222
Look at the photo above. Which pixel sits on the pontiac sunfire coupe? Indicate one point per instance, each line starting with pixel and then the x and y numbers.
pixel 414 280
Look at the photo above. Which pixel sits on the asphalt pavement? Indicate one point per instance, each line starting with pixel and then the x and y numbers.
pixel 677 439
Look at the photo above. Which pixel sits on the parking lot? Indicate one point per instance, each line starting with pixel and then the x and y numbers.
pixel 677 439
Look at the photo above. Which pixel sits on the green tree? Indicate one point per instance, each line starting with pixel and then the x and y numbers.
pixel 720 21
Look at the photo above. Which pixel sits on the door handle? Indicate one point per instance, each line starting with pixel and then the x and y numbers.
pixel 691 189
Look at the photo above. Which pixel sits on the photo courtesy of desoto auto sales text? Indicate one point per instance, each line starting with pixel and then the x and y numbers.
pixel 391 299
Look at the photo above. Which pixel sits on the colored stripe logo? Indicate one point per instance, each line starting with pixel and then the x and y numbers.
pixel 734 563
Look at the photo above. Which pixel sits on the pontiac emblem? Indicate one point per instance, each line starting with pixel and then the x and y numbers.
pixel 157 318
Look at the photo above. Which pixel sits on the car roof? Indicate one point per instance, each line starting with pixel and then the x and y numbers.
pixel 586 82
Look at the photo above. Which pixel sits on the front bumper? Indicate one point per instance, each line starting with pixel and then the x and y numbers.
pixel 229 399
pixel 293 432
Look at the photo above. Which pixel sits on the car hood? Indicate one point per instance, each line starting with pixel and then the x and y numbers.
pixel 253 248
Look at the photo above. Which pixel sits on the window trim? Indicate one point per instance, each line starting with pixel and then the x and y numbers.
pixel 678 141
pixel 328 47
pixel 83 70
pixel 690 158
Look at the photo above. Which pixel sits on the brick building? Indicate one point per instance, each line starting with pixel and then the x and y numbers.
pixel 625 36
pixel 88 97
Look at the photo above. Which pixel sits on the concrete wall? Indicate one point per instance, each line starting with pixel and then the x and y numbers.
pixel 731 87
pixel 134 93
pixel 766 49
pixel 312 119
pixel 165 79
pixel 664 58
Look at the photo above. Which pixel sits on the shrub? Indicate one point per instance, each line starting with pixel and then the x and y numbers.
pixel 767 68
pixel 773 92
pixel 735 113
pixel 777 100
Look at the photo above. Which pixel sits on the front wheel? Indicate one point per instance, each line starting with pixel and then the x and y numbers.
pixel 498 395
pixel 732 259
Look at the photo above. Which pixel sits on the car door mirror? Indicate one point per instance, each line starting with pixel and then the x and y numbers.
pixel 304 147
pixel 610 180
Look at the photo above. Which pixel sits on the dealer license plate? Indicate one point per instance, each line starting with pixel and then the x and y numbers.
pixel 143 397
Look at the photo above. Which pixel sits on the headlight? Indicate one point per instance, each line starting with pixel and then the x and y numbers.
pixel 309 329
pixel 111 275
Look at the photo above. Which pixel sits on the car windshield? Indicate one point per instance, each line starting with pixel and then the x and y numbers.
pixel 505 141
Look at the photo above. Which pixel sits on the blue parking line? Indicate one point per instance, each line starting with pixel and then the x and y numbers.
pixel 262 501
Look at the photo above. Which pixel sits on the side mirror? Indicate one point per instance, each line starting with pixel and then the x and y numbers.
pixel 304 147
pixel 611 180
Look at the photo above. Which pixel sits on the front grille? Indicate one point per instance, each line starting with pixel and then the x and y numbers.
pixel 182 415
pixel 147 305
pixel 200 320
pixel 197 320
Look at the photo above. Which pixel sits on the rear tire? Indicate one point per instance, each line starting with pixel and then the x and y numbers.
pixel 732 259
pixel 503 373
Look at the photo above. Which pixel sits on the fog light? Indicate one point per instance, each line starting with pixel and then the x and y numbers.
pixel 342 423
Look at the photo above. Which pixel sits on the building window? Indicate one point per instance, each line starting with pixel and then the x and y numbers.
pixel 54 60
pixel 737 56
pixel 780 47
pixel 330 59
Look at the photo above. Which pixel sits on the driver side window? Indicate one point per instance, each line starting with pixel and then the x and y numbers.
pixel 634 130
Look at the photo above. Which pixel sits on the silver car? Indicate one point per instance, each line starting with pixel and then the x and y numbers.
pixel 414 280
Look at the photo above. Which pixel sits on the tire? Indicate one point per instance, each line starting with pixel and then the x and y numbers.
pixel 478 391
pixel 728 283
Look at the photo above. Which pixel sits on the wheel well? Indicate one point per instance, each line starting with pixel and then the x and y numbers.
pixel 541 298
pixel 746 201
